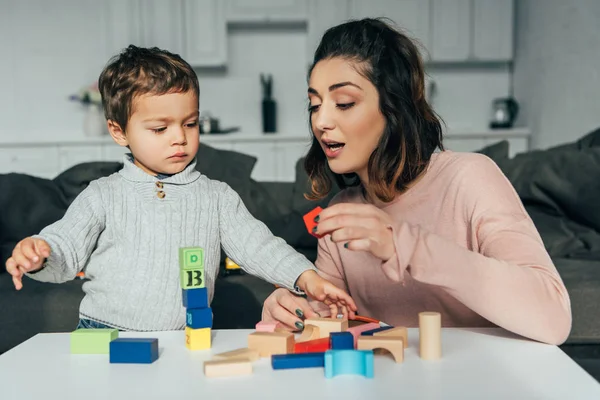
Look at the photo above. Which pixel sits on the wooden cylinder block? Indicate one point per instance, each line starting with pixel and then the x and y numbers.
pixel 430 335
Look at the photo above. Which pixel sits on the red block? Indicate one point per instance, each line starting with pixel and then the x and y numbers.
pixel 309 221
pixel 313 346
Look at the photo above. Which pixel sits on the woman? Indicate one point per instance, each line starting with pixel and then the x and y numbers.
pixel 414 229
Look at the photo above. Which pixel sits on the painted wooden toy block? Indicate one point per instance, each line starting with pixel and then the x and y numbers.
pixel 328 325
pixel 92 341
pixel 269 343
pixel 292 361
pixel 191 258
pixel 376 330
pixel 309 221
pixel 343 362
pixel 198 318
pixel 195 298
pixel 313 346
pixel 341 340
pixel 263 326
pixel 391 344
pixel 197 339
pixel 310 332
pixel 244 353
pixel 228 367
pixel 133 351
pixel 356 331
pixel 399 331
pixel 192 278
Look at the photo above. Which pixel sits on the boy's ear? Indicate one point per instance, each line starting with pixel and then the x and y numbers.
pixel 117 133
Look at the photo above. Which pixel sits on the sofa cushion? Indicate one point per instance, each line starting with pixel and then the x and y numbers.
pixel 582 280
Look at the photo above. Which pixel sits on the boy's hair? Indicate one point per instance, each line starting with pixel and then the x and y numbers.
pixel 137 71
pixel 391 61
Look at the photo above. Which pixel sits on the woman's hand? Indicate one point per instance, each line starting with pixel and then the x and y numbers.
pixel 362 227
pixel 288 309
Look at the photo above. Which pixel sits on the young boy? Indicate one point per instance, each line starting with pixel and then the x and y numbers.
pixel 125 230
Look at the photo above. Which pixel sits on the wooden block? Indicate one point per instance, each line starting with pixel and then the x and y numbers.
pixel 198 318
pixel 294 361
pixel 92 341
pixel 195 298
pixel 192 278
pixel 313 346
pixel 373 331
pixel 269 343
pixel 309 220
pixel 356 362
pixel 191 258
pixel 230 367
pixel 327 325
pixel 356 331
pixel 133 351
pixel 392 344
pixel 430 335
pixel 263 326
pixel 197 339
pixel 245 353
pixel 341 340
pixel 399 331
pixel 310 332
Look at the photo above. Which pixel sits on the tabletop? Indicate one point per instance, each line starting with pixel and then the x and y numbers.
pixel 475 364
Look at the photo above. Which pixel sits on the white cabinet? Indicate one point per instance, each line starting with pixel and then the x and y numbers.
pixel 194 29
pixel 412 16
pixel 205 33
pixel 162 25
pixel 472 30
pixel 123 25
pixel 451 29
pixel 266 11
pixel 493 22
pixel 322 16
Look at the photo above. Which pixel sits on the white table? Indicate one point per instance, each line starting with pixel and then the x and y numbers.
pixel 476 364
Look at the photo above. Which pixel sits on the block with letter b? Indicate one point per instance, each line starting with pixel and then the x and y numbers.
pixel 198 318
pixel 192 278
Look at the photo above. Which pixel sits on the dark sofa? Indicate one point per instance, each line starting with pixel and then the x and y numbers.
pixel 560 188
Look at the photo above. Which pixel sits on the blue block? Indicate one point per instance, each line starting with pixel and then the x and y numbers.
pixel 341 340
pixel 133 351
pixel 300 360
pixel 195 298
pixel 198 318
pixel 372 331
pixel 354 362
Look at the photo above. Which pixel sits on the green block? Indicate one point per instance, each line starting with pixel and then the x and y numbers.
pixel 191 257
pixel 192 278
pixel 92 341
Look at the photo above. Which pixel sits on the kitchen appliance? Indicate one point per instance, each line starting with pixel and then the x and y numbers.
pixel 504 113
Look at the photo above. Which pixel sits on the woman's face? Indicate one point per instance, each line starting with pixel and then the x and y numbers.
pixel 345 115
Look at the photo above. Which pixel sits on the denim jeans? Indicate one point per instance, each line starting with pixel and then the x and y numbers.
pixel 89 324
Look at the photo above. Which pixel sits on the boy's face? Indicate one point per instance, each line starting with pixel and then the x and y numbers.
pixel 162 132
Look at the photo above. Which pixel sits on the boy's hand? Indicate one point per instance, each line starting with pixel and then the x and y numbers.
pixel 28 256
pixel 321 289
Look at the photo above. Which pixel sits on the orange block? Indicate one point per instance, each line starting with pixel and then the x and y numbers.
pixel 313 346
pixel 309 221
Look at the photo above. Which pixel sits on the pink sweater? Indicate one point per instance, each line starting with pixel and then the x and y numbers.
pixel 466 247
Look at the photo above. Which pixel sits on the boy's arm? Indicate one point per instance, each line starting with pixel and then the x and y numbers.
pixel 72 238
pixel 249 243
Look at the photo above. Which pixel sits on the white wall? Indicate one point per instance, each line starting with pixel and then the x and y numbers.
pixel 557 68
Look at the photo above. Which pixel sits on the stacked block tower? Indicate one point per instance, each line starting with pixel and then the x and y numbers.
pixel 195 299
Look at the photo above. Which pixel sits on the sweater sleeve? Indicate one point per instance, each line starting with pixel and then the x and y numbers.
pixel 72 239
pixel 250 243
pixel 510 280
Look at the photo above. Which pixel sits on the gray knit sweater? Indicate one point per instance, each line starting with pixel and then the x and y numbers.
pixel 125 230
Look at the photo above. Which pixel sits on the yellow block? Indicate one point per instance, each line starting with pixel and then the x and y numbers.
pixel 197 339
